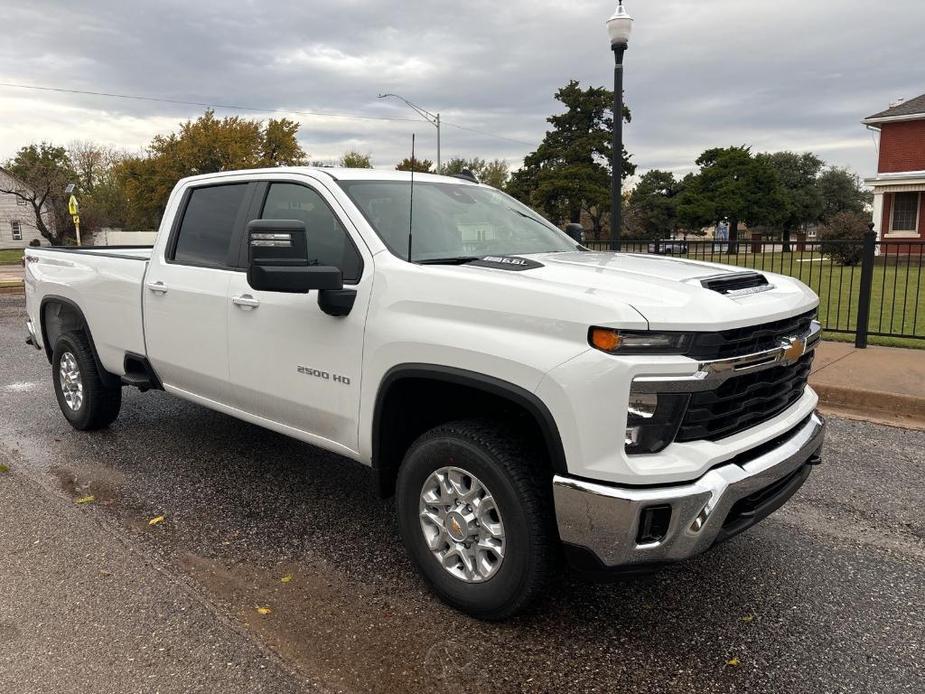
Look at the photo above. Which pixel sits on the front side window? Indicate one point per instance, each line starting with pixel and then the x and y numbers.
pixel 326 238
pixel 452 220
pixel 205 233
pixel 905 212
pixel 16 229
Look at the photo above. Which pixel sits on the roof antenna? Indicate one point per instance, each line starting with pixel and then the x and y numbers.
pixel 411 209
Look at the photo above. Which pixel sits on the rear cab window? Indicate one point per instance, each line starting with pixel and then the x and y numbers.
pixel 210 217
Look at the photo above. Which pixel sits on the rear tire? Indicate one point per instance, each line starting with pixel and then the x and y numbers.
pixel 485 493
pixel 85 400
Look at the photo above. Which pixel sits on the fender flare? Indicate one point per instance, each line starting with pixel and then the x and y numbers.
pixel 107 377
pixel 521 397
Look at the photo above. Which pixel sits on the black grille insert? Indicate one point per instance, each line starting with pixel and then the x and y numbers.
pixel 755 338
pixel 742 402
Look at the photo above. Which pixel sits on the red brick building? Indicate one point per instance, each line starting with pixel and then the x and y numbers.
pixel 899 187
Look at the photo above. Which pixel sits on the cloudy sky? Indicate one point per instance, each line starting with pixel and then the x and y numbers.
pixel 788 74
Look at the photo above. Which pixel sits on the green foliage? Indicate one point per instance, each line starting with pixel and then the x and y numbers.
pixel 843 237
pixel 652 206
pixel 206 145
pixel 569 173
pixel 419 165
pixel 493 173
pixel 801 199
pixel 46 170
pixel 356 160
pixel 731 184
pixel 841 190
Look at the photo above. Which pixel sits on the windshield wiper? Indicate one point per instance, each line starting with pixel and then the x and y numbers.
pixel 452 260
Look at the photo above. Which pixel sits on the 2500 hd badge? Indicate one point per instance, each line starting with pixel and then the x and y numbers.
pixel 326 375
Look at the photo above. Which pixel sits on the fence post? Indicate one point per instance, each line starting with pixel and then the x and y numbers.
pixel 867 281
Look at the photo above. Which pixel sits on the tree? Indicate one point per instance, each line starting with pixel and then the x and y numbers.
pixel 45 170
pixel 801 199
pixel 841 191
pixel 494 173
pixel 731 184
pixel 102 200
pixel 419 165
pixel 569 173
pixel 652 207
pixel 355 160
pixel 206 145
pixel 843 237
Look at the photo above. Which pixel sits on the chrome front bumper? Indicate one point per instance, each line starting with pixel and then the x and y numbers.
pixel 604 519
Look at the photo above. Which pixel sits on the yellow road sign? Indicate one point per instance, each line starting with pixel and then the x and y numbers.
pixel 72 207
pixel 76 219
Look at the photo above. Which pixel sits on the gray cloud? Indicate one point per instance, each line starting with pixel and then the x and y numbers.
pixel 795 74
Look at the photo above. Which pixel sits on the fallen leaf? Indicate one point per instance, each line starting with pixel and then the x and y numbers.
pixel 733 662
pixel 264 610
pixel 747 618
pixel 4 468
pixel 89 499
pixel 286 578
pixel 156 520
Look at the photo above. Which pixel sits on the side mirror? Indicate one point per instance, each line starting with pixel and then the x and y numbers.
pixel 278 259
pixel 575 231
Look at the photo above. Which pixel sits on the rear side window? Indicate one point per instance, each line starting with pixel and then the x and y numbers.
pixel 328 241
pixel 207 226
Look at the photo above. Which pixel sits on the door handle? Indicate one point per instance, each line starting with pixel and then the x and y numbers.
pixel 157 287
pixel 246 301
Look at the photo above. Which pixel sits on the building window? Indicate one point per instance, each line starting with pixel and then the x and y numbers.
pixel 905 212
pixel 22 202
pixel 17 230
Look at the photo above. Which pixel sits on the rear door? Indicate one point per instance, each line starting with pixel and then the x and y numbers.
pixel 186 291
pixel 289 361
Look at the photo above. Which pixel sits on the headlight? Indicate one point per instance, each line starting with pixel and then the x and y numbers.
pixel 615 341
pixel 652 420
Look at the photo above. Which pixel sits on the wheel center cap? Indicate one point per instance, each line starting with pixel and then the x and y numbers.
pixel 456 526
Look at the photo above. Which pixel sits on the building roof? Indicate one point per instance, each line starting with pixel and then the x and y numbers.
pixel 911 109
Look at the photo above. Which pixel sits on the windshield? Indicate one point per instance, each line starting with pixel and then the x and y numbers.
pixel 453 221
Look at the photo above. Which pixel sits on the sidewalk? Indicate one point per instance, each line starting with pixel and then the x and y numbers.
pixel 11 279
pixel 878 384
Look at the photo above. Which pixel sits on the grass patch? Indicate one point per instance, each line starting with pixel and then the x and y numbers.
pixel 4 469
pixel 11 256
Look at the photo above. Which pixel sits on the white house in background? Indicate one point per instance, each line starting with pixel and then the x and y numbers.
pixel 17 220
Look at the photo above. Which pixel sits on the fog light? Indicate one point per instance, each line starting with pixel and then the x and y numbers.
pixel 653 524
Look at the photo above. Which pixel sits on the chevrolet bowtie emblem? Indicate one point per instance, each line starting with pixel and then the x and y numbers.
pixel 794 348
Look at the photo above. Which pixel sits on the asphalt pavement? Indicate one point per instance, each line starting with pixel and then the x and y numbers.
pixel 827 595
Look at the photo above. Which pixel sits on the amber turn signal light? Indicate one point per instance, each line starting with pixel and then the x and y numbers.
pixel 605 339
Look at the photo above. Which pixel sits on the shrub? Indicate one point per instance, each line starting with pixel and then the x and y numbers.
pixel 843 237
pixel 35 242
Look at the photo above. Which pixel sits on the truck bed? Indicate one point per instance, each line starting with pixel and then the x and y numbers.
pixel 104 284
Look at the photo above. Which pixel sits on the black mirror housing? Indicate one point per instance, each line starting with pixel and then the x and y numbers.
pixel 278 259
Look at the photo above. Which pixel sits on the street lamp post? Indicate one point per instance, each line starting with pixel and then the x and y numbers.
pixel 432 118
pixel 619 26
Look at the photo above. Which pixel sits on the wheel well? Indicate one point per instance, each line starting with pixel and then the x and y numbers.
pixel 58 316
pixel 416 401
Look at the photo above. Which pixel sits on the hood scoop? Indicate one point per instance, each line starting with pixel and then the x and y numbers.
pixel 737 283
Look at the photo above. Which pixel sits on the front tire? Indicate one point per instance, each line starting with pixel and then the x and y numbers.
pixel 86 401
pixel 475 513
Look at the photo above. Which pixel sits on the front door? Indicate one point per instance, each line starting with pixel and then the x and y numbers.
pixel 186 293
pixel 290 362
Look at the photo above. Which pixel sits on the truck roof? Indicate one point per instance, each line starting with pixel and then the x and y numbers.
pixel 341 174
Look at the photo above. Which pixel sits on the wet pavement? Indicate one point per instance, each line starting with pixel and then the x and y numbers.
pixel 826 595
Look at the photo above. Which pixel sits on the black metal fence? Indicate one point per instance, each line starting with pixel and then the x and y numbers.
pixel 866 288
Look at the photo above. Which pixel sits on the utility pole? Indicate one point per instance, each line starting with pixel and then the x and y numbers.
pixel 432 118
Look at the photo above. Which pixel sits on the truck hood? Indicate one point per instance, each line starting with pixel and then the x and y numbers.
pixel 666 291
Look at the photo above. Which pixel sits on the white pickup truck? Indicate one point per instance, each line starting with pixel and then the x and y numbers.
pixel 524 398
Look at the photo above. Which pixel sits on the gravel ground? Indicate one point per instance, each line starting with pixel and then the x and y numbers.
pixel 827 595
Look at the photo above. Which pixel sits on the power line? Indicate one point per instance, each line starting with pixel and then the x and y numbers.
pixel 230 107
pixel 254 109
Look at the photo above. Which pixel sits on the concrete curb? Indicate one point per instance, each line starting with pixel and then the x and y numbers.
pixel 887 408
pixel 12 287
